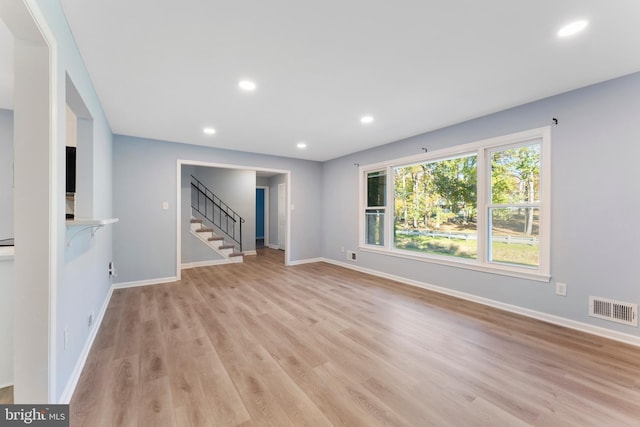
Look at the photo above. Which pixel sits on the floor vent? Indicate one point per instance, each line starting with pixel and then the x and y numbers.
pixel 616 311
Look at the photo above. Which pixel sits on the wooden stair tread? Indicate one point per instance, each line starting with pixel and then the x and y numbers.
pixel 214 238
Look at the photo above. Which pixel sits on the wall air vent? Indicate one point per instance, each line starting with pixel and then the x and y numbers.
pixel 615 311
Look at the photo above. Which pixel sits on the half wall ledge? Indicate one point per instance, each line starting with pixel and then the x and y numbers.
pixel 87 224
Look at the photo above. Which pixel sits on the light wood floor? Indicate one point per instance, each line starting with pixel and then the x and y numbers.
pixel 258 344
pixel 6 396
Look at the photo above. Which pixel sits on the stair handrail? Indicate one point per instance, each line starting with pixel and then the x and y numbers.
pixel 223 209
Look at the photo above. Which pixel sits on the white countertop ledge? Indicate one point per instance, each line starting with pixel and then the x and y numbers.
pixel 7 253
pixel 85 222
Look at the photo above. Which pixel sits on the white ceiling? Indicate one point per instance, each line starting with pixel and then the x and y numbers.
pixel 166 69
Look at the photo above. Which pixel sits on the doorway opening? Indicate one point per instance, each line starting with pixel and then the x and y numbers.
pixel 275 216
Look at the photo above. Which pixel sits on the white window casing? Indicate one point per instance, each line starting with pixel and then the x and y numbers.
pixel 482 149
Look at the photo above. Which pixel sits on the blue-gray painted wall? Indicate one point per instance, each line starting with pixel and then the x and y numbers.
pixel 595 234
pixel 144 175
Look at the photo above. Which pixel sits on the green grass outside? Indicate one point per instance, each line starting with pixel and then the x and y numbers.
pixel 510 253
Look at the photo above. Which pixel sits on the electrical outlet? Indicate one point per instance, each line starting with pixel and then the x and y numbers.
pixel 112 270
pixel 165 205
pixel 561 289
pixel 351 256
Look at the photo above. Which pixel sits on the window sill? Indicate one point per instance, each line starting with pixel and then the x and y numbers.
pixel 462 263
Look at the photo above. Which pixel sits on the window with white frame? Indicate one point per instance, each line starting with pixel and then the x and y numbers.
pixel 375 211
pixel 483 205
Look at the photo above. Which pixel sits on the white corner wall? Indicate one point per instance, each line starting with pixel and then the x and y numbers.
pixel 32 220
pixel 6 174
pixel 55 287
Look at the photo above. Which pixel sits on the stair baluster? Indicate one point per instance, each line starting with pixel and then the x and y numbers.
pixel 205 202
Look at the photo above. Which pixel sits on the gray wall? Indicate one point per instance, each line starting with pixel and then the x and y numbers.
pixel 595 234
pixel 6 174
pixel 236 188
pixel 144 175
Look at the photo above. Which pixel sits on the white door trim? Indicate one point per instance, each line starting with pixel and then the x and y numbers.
pixel 283 209
pixel 181 162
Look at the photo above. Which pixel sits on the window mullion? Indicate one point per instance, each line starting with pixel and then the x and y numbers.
pixel 390 209
pixel 362 205
pixel 483 191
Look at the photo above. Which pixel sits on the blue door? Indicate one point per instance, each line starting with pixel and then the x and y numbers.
pixel 259 213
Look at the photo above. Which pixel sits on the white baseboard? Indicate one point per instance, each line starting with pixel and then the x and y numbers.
pixel 549 318
pixel 69 389
pixel 65 398
pixel 143 283
pixel 206 263
pixel 254 252
pixel 307 261
pixel 67 393
pixel 6 385
pixel 271 246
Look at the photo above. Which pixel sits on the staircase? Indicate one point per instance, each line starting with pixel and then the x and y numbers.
pixel 217 243
pixel 216 212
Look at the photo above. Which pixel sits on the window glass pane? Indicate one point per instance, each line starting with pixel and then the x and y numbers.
pixel 515 236
pixel 374 223
pixel 435 207
pixel 376 188
pixel 515 175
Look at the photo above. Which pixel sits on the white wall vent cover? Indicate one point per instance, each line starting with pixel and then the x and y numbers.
pixel 616 311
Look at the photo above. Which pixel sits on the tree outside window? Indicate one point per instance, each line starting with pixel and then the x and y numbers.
pixel 482 203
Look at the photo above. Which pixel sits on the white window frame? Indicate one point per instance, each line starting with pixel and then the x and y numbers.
pixel 383 207
pixel 481 148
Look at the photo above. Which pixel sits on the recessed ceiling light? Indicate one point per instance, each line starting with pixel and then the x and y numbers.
pixel 209 131
pixel 247 85
pixel 301 145
pixel 366 119
pixel 573 28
